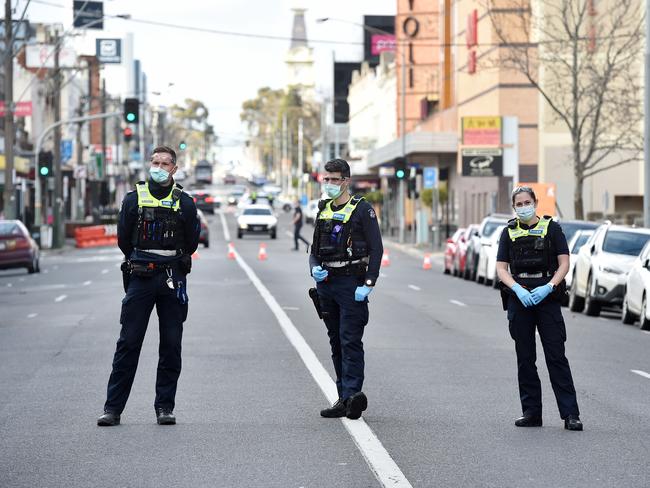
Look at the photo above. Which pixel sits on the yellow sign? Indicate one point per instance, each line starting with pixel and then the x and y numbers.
pixel 482 131
pixel 20 164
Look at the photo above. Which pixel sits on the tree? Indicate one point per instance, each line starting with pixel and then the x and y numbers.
pixel 586 64
pixel 189 123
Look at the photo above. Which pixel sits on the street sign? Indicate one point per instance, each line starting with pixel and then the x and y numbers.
pixel 97 149
pixel 430 177
pixel 108 50
pixel 80 172
pixel 387 171
pixel 66 150
pixel 21 109
pixel 88 15
pixel 482 162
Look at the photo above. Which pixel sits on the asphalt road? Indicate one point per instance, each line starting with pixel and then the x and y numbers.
pixel 440 378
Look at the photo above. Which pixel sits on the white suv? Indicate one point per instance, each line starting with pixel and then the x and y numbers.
pixel 602 266
pixel 637 291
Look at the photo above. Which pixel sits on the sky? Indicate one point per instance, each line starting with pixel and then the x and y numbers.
pixel 220 70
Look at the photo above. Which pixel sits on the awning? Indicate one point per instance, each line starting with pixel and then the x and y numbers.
pixel 416 142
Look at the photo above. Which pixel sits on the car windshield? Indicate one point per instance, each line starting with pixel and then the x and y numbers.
pixel 490 227
pixel 570 228
pixel 621 242
pixel 257 211
pixel 8 229
pixel 580 241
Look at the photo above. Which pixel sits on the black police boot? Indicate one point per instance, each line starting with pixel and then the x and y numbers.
pixel 356 404
pixel 572 422
pixel 529 421
pixel 108 419
pixel 165 416
pixel 335 411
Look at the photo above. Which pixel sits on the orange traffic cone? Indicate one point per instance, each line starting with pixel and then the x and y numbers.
pixel 231 251
pixel 385 259
pixel 426 264
pixel 261 255
pixel 195 255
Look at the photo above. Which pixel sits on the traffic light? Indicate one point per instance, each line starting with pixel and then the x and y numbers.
pixel 182 146
pixel 400 168
pixel 131 110
pixel 128 134
pixel 45 160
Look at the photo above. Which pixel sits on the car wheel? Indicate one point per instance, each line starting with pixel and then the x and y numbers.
pixel 592 306
pixel 479 279
pixel 627 317
pixel 274 235
pixel 445 269
pixel 33 266
pixel 239 234
pixel 206 244
pixel 644 322
pixel 576 303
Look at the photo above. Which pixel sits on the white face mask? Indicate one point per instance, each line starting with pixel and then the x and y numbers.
pixel 525 213
pixel 332 191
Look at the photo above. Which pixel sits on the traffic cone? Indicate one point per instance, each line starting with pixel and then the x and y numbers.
pixel 426 264
pixel 195 255
pixel 385 259
pixel 231 251
pixel 261 255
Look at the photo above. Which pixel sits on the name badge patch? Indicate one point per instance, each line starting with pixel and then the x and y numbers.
pixel 338 216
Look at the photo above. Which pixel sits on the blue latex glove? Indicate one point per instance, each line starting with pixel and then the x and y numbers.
pixel 524 295
pixel 361 293
pixel 318 273
pixel 541 292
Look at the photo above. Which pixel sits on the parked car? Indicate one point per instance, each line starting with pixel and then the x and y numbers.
pixel 229 180
pixel 579 239
pixel 257 219
pixel 570 227
pixel 486 271
pixel 235 195
pixel 599 276
pixel 450 250
pixel 461 254
pixel 311 211
pixel 487 227
pixel 204 236
pixel 17 248
pixel 637 291
pixel 205 201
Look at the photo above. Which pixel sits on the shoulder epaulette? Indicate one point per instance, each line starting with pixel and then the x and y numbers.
pixel 322 203
pixel 512 223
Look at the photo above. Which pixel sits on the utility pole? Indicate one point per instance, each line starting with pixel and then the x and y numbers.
pixel 646 134
pixel 284 153
pixel 300 159
pixel 102 102
pixel 400 203
pixel 9 195
pixel 57 203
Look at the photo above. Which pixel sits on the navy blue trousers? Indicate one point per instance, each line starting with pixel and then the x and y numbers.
pixel 547 318
pixel 141 296
pixel 345 319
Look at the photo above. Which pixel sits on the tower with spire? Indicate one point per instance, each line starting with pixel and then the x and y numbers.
pixel 300 57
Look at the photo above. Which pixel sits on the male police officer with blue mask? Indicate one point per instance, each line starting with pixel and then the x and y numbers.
pixel 345 260
pixel 158 231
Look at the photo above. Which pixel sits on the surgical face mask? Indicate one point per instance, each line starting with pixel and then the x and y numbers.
pixel 525 213
pixel 332 191
pixel 158 174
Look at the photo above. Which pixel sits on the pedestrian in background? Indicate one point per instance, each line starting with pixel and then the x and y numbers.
pixel 297 225
pixel 536 251
pixel 158 231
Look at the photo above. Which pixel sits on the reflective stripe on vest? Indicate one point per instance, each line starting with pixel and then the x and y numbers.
pixel 342 215
pixel 540 230
pixel 146 199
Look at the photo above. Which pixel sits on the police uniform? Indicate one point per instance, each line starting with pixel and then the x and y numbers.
pixel 532 254
pixel 347 243
pixel 158 230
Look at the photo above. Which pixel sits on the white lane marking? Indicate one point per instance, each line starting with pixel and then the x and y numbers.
pixel 290 308
pixel 640 373
pixel 457 302
pixel 86 283
pixel 226 232
pixel 45 287
pixel 381 464
pixel 60 298
pixel 416 288
pixel 32 315
pixel 104 271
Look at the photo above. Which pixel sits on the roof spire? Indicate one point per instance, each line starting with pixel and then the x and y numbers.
pixel 299 31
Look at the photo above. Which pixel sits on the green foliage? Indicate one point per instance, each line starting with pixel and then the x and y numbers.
pixel 375 197
pixel 427 197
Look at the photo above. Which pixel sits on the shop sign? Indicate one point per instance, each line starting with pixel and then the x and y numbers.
pixel 482 131
pixel 482 162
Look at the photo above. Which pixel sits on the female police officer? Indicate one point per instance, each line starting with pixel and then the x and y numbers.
pixel 537 252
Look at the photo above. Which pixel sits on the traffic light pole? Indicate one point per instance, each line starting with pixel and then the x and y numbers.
pixel 9 195
pixel 38 219
pixel 401 196
pixel 58 234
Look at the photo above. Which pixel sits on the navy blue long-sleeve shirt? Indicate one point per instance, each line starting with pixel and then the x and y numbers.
pixel 128 219
pixel 364 221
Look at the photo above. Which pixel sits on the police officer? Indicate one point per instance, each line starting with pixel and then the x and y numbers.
pixel 537 253
pixel 344 262
pixel 158 231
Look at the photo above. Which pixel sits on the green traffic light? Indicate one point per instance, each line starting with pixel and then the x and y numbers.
pixel 130 117
pixel 400 174
pixel 182 146
pixel 44 171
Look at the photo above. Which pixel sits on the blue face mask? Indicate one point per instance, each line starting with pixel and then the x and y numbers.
pixel 525 213
pixel 332 191
pixel 158 174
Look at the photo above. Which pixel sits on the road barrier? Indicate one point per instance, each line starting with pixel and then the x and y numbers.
pixel 96 236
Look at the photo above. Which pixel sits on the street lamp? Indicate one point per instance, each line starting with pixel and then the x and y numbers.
pixel 402 184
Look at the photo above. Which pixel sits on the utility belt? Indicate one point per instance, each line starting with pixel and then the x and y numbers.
pixel 558 294
pixel 541 274
pixel 356 269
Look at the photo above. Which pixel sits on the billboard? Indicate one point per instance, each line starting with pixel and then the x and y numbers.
pixel 377 36
pixel 21 109
pixel 108 50
pixel 481 131
pixel 42 56
pixel 381 43
pixel 482 162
